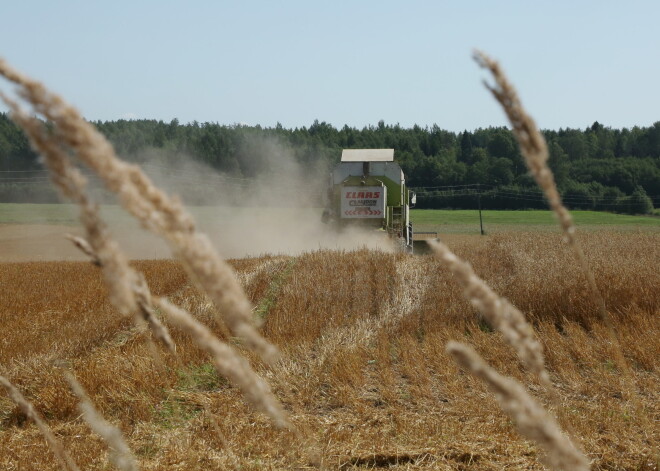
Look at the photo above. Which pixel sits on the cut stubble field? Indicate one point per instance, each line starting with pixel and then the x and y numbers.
pixel 364 373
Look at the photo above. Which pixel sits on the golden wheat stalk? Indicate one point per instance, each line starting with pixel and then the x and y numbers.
pixel 530 417
pixel 128 289
pixel 226 360
pixel 228 363
pixel 498 312
pixel 535 152
pixel 120 453
pixel 132 291
pixel 63 458
pixel 82 245
pixel 155 209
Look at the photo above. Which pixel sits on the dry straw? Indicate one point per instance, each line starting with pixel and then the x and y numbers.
pixel 498 312
pixel 156 210
pixel 226 360
pixel 535 151
pixel 120 453
pixel 63 458
pixel 228 363
pixel 530 417
pixel 128 289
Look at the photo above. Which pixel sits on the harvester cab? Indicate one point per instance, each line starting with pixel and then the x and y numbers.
pixel 368 189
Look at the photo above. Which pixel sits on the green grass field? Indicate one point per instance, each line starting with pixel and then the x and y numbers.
pixel 467 221
pixel 448 217
pixel 16 213
pixel 439 220
pixel 67 214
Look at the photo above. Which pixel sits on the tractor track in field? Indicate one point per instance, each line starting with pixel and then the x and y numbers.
pixel 408 293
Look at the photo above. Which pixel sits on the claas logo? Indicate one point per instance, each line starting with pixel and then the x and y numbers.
pixel 362 194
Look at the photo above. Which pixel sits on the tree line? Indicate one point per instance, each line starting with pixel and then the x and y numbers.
pixel 595 168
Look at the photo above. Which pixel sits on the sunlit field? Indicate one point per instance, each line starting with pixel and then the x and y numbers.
pixel 364 373
pixel 274 343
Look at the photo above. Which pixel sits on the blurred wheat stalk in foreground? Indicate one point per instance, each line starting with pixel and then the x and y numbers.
pixel 120 454
pixel 530 417
pixel 70 134
pixel 156 211
pixel 498 312
pixel 535 152
pixel 64 460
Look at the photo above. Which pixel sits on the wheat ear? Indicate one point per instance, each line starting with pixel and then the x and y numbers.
pixel 530 417
pixel 155 210
pixel 127 288
pixel 120 454
pixel 535 152
pixel 63 458
pixel 130 288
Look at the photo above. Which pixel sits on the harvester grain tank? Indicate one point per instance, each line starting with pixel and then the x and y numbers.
pixel 368 190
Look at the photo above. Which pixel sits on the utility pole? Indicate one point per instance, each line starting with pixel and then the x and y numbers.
pixel 481 222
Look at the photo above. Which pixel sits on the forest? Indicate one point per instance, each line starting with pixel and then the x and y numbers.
pixel 596 168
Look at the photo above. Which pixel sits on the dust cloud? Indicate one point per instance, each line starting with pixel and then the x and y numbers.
pixel 273 206
pixel 276 210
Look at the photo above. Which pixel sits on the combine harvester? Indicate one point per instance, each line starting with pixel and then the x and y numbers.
pixel 368 190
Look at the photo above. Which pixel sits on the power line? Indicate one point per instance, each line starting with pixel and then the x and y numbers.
pixel 450 186
pixel 222 182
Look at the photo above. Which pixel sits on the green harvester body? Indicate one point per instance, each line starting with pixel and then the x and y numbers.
pixel 368 190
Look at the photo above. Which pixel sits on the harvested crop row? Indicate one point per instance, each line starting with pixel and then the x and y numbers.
pixel 368 398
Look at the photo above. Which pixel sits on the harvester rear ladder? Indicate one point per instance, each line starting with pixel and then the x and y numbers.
pixel 395 220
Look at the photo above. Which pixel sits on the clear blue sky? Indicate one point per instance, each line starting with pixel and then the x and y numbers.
pixel 343 62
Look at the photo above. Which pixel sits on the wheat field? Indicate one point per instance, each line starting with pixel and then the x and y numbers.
pixel 364 373
pixel 330 359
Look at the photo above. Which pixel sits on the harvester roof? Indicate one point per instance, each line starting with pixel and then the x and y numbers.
pixel 367 155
